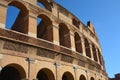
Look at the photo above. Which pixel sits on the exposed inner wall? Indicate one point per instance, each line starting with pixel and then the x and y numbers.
pixel 30 12
pixel 57 26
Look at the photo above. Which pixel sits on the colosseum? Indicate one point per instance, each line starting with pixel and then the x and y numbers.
pixel 57 47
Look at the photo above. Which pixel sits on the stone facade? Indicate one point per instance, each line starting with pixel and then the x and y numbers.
pixel 60 47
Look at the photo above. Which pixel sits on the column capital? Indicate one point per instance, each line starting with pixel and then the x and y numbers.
pixel 57 64
pixel 2 25
pixel 55 26
pixel 72 33
pixel 32 15
pixel 75 67
pixel 82 40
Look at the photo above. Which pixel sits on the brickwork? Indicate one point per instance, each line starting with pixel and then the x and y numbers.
pixel 59 47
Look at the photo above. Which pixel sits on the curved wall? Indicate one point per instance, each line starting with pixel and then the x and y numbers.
pixel 59 47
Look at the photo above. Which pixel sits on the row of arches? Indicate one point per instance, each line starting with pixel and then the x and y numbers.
pixel 45 29
pixel 22 11
pixel 16 72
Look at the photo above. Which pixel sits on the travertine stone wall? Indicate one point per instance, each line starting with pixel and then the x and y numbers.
pixel 60 46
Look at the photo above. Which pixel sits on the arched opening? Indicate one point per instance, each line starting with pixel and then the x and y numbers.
pixel 78 43
pixel 45 74
pixel 94 53
pixel 12 72
pixel 17 17
pixel 64 35
pixel 44 4
pixel 99 55
pixel 82 77
pixel 44 28
pixel 75 22
pixel 92 78
pixel 67 76
pixel 87 48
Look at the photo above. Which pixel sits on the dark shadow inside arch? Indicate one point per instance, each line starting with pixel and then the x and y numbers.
pixel 94 52
pixel 45 74
pixel 64 35
pixel 17 17
pixel 67 76
pixel 100 56
pixel 82 77
pixel 78 43
pixel 44 28
pixel 92 78
pixel 10 72
pixel 75 23
pixel 87 48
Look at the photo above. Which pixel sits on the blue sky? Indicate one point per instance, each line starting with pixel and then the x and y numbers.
pixel 105 16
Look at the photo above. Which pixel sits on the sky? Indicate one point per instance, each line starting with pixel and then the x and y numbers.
pixel 105 16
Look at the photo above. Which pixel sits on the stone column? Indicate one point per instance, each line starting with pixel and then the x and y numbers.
pixel 72 40
pixel 55 33
pixel 3 13
pixel 91 51
pixel 75 67
pixel 31 64
pixel 57 66
pixel 83 46
pixel 32 25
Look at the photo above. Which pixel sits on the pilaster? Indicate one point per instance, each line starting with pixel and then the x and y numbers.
pixel 57 66
pixel 32 23
pixel 83 46
pixel 75 67
pixel 55 33
pixel 3 13
pixel 72 40
pixel 91 51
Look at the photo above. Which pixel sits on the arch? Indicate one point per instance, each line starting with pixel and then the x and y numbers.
pixel 45 74
pixel 46 4
pixel 75 23
pixel 99 55
pixel 92 78
pixel 87 48
pixel 82 77
pixel 64 35
pixel 94 52
pixel 20 24
pixel 13 72
pixel 44 28
pixel 67 76
pixel 78 43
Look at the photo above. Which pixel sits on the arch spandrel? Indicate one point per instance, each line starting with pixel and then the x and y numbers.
pixel 48 19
